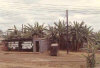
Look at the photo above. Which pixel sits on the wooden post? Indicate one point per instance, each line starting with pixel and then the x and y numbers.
pixel 67 32
pixel 22 29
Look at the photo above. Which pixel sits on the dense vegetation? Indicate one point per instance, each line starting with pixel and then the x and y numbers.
pixel 78 34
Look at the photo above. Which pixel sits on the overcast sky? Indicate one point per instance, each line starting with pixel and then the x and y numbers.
pixel 17 12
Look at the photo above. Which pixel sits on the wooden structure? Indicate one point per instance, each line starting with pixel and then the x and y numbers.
pixel 19 44
pixel 35 44
pixel 40 45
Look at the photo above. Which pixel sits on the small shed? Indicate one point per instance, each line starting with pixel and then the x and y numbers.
pixel 40 45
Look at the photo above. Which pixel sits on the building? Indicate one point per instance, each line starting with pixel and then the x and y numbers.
pixel 40 45
pixel 35 44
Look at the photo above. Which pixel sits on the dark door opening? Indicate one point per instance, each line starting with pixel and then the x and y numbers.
pixel 37 46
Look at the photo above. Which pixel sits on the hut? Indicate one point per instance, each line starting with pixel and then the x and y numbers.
pixel 40 45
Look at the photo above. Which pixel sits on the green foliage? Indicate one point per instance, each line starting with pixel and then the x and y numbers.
pixel 61 30
pixel 97 35
pixel 28 31
pixel 90 57
pixel 52 34
pixel 78 33
pixel 38 30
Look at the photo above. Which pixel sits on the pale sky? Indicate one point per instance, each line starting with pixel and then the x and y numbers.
pixel 18 12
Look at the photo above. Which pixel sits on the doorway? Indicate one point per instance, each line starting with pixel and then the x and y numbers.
pixel 37 46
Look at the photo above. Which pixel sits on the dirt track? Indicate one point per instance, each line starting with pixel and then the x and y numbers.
pixel 32 60
pixel 41 60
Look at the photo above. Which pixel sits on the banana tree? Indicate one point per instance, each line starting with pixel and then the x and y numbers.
pixel 51 34
pixel 25 33
pixel 61 30
pixel 36 30
pixel 13 33
pixel 80 33
pixel 97 35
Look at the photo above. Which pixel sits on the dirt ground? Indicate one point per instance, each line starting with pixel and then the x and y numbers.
pixel 43 60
